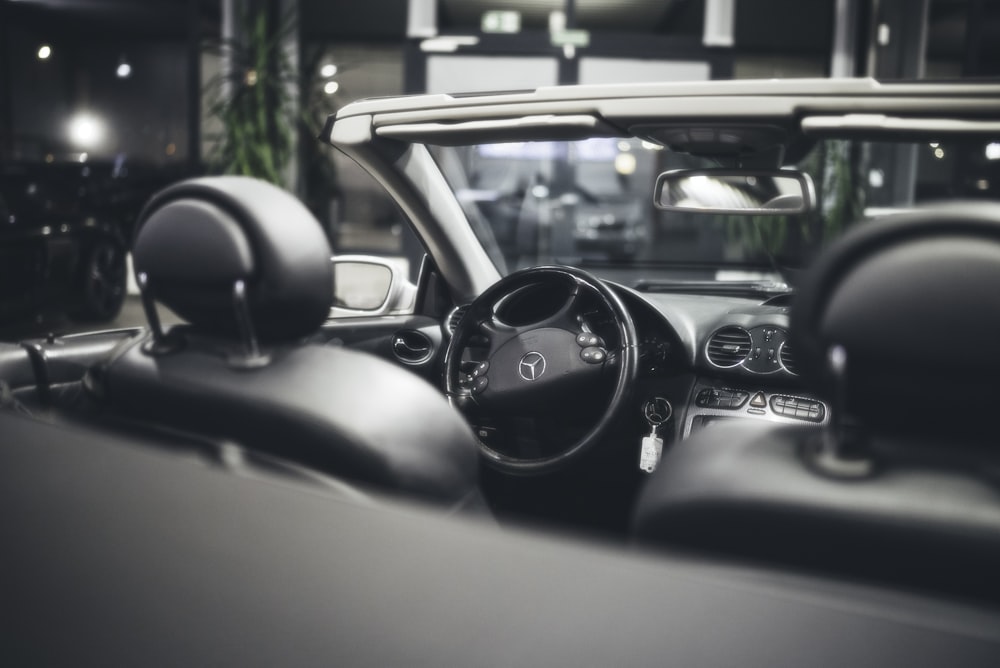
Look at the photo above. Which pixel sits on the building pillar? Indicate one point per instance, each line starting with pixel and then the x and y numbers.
pixel 194 85
pixel 720 23
pixel 898 50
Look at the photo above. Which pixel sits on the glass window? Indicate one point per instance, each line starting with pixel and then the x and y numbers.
pixel 590 203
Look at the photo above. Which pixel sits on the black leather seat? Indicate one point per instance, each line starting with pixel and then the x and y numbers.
pixel 898 327
pixel 249 268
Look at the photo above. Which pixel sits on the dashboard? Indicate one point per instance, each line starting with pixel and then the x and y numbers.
pixel 736 353
pixel 714 358
pixel 701 360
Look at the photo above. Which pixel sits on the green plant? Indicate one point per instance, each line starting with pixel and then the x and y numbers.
pixel 253 101
pixel 834 166
pixel 842 195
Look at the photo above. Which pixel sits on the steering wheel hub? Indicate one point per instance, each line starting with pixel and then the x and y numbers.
pixel 538 365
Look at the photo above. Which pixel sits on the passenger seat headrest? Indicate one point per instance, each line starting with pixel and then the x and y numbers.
pixel 195 239
pixel 914 301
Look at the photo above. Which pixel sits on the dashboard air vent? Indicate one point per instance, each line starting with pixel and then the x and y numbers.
pixel 455 316
pixel 728 347
pixel 788 360
pixel 412 347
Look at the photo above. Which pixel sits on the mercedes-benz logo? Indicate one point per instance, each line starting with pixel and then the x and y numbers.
pixel 531 366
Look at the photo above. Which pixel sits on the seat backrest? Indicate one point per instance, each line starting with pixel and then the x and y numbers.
pixel 243 370
pixel 896 326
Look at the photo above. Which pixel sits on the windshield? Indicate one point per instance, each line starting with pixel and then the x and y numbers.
pixel 590 203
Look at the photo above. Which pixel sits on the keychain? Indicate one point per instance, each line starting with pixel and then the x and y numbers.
pixel 657 411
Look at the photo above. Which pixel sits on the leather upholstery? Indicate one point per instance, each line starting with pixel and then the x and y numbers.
pixel 912 299
pixel 901 489
pixel 345 413
pixel 197 237
pixel 918 520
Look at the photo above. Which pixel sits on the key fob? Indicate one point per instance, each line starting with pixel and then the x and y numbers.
pixel 650 453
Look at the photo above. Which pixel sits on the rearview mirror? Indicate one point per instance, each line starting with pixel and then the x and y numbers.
pixel 744 192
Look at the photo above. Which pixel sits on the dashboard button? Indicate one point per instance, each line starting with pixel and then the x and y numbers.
pixel 721 398
pixel 795 407
pixel 758 400
pixel 738 399
pixel 704 398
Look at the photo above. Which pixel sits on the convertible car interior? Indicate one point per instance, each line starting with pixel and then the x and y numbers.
pixel 780 450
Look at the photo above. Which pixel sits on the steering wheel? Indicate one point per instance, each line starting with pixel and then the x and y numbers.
pixel 541 363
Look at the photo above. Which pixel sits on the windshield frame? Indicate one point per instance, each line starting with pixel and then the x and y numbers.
pixel 386 135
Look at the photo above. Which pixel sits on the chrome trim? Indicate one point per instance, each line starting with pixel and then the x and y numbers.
pixel 711 336
pixel 781 359
pixel 530 371
pixel 448 331
pixel 399 341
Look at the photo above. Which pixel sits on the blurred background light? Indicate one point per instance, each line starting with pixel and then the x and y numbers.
pixel 44 51
pixel 124 70
pixel 625 164
pixel 86 130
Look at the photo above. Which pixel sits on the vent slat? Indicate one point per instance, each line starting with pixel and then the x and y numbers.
pixel 787 359
pixel 728 347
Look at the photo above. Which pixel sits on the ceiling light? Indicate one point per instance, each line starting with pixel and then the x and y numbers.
pixel 331 87
pixel 124 68
pixel 993 151
pixel 328 70
pixel 447 43
pixel 44 51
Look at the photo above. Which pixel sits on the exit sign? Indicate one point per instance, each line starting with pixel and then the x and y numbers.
pixel 574 38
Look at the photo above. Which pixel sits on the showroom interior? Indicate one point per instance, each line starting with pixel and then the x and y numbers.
pixel 135 92
pixel 500 332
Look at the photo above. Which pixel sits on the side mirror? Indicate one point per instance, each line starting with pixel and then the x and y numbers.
pixel 366 285
pixel 773 193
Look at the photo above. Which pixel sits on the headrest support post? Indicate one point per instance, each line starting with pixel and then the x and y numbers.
pixel 836 358
pixel 161 343
pixel 252 357
pixel 152 317
pixel 841 453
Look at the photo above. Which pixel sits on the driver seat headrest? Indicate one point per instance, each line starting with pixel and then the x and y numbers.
pixel 198 238
pixel 911 302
